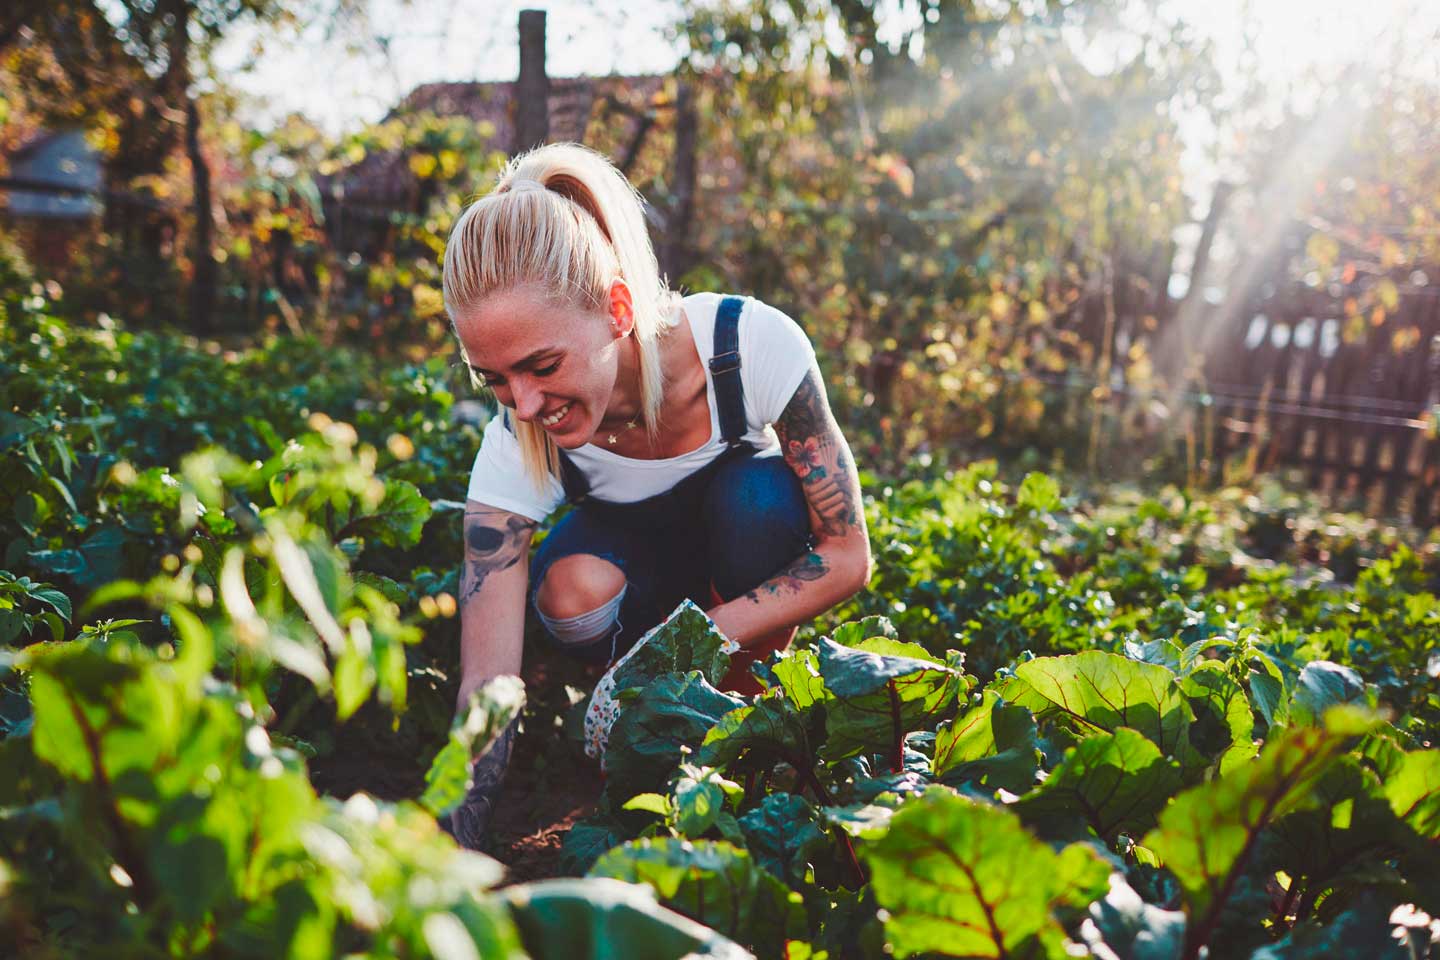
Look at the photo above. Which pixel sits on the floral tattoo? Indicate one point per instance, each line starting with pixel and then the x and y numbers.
pixel 816 451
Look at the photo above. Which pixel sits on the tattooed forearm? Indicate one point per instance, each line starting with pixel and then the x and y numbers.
pixel 494 540
pixel 816 451
pixel 469 821
pixel 806 569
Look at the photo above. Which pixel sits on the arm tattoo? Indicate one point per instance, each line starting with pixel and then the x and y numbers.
pixel 494 540
pixel 816 451
pixel 469 822
pixel 809 567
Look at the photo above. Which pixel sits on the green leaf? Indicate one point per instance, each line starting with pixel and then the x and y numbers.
pixel 54 599
pixel 668 717
pixel 656 803
pixel 1114 781
pixel 1207 832
pixel 701 797
pixel 687 640
pixel 1124 926
pixel 992 743
pixel 1322 685
pixel 879 697
pixel 1224 719
pixel 354 679
pixel 1414 792
pixel 798 672
pixel 865 820
pixel 398 520
pixel 1038 493
pixel 587 840
pixel 1363 931
pixel 963 878
pixel 101 711
pixel 491 709
pixel 601 919
pixel 13 623
pixel 1104 691
pixel 55 624
pixel 855 632
pixel 1343 841
pixel 769 725
pixel 712 882
pixel 784 835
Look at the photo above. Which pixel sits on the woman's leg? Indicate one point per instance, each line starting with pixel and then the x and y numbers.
pixel 594 584
pixel 756 523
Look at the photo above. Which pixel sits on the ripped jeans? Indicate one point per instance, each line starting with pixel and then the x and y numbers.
pixel 729 526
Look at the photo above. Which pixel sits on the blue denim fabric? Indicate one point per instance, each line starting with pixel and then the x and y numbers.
pixel 734 523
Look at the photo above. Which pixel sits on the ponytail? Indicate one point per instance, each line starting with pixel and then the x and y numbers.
pixel 572 239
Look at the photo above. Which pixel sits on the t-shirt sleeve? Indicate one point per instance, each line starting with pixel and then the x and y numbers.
pixel 775 356
pixel 499 479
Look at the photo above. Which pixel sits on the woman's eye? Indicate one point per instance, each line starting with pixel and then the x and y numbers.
pixel 546 371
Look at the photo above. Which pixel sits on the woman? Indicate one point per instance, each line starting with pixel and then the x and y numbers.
pixel 650 413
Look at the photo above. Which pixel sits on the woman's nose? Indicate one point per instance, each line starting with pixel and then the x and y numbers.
pixel 528 399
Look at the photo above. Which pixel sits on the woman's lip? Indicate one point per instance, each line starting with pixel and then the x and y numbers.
pixel 568 408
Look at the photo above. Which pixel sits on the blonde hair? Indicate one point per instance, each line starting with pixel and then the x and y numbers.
pixel 571 239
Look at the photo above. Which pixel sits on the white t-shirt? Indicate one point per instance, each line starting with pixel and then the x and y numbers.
pixel 775 355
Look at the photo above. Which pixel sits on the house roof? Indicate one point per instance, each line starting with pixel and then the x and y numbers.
pixel 385 179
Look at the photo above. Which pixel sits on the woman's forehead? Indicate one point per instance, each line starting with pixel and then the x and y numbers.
pixel 509 326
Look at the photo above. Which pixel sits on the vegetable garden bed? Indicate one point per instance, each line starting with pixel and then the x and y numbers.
pixel 1135 726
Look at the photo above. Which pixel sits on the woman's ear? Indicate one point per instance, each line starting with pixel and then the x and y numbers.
pixel 622 309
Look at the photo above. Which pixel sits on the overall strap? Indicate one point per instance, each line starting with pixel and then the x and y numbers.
pixel 577 486
pixel 725 371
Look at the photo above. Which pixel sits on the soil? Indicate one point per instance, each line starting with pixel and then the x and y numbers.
pixel 551 782
pixel 533 818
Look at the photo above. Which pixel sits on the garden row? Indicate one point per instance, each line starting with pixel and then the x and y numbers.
pixel 1126 727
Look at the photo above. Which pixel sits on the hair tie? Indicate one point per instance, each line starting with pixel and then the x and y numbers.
pixel 521 184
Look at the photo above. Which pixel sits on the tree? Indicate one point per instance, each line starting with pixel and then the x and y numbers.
pixel 977 198
pixel 130 69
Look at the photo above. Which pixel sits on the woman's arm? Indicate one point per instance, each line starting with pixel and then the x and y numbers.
pixel 839 564
pixel 493 580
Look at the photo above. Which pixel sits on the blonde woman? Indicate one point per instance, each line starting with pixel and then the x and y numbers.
pixel 692 436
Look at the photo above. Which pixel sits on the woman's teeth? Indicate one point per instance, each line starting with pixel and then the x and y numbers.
pixel 555 417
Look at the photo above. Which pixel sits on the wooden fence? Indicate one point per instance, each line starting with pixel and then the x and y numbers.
pixel 1302 379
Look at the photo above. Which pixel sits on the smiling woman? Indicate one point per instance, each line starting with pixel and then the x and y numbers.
pixel 738 493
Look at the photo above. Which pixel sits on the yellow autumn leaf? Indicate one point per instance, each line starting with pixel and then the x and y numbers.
pixel 1388 293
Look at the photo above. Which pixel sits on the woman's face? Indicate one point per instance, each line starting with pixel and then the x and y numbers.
pixel 555 366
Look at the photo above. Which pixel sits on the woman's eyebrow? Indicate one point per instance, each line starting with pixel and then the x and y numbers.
pixel 529 360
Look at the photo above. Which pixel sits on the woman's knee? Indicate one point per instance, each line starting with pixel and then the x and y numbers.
pixel 578 584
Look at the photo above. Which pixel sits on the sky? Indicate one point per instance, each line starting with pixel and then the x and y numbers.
pixel 320 72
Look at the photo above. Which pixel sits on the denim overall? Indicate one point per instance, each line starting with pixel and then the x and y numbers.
pixel 717 533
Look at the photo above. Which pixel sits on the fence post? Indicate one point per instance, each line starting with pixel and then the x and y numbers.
pixel 675 251
pixel 531 103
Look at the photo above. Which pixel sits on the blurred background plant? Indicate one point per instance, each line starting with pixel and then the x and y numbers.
pixel 1089 235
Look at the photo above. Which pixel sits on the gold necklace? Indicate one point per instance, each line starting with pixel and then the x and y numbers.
pixel 613 438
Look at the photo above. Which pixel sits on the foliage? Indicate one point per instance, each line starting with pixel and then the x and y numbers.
pixel 1144 726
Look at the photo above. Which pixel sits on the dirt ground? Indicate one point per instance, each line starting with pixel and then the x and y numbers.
pixel 551 782
pixel 534 815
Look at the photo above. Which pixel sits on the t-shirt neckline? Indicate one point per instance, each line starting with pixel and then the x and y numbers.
pixel 591 448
